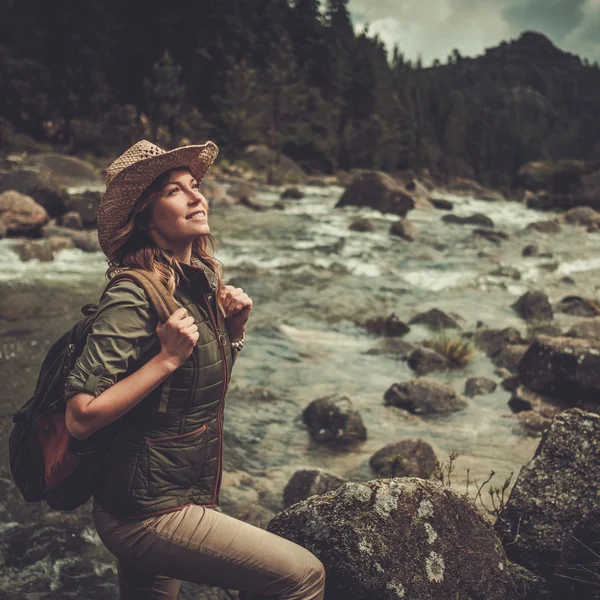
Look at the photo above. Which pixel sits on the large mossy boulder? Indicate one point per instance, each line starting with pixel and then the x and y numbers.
pixel 399 538
pixel 553 493
pixel 377 190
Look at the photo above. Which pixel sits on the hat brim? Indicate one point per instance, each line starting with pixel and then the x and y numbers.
pixel 126 188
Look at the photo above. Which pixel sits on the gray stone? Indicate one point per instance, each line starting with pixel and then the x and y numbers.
pixel 493 341
pixel 476 386
pixel 442 204
pixel 333 420
pixel 64 169
pixel 310 482
pixel 362 225
pixel 582 215
pixel 577 306
pixel 553 493
pixel 406 458
pixel 492 235
pixel 20 214
pixel 531 250
pixel 404 229
pixel 564 367
pixel 544 226
pixel 534 306
pixel 34 250
pixel 424 360
pixel 292 193
pixel 86 204
pixel 476 219
pixel 436 319
pixel 510 356
pixel 44 191
pixel 399 538
pixel 524 399
pixel 379 191
pixel 390 326
pixel 589 330
pixel 424 396
pixel 72 220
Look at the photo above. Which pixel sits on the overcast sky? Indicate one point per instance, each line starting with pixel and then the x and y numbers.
pixel 432 28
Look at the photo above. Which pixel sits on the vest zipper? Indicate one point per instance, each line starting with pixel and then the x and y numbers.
pixel 222 340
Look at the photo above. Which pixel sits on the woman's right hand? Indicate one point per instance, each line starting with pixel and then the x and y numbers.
pixel 178 336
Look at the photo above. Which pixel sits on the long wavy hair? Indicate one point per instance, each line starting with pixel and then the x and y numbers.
pixel 131 246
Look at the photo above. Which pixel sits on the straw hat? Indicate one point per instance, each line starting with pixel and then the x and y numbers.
pixel 135 170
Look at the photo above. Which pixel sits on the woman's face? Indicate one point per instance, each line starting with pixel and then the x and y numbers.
pixel 180 213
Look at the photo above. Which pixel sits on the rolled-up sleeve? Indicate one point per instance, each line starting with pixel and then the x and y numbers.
pixel 123 330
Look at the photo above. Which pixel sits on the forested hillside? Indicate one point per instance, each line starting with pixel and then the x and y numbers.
pixel 94 76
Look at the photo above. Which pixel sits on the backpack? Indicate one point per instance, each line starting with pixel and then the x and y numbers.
pixel 47 463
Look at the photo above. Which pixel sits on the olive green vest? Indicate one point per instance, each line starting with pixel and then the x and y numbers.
pixel 168 451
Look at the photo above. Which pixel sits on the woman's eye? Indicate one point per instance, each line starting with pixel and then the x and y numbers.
pixel 172 191
pixel 196 185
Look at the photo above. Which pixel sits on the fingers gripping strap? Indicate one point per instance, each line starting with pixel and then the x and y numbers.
pixel 164 304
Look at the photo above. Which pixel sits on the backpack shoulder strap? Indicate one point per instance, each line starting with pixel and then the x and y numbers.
pixel 160 298
pixel 163 302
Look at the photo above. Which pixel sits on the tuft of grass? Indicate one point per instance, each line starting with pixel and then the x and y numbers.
pixel 455 347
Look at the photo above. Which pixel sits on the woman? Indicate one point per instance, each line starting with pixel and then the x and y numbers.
pixel 160 389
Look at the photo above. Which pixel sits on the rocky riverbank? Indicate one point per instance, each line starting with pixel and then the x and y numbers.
pixel 381 343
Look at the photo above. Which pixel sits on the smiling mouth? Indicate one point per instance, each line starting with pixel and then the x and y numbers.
pixel 197 216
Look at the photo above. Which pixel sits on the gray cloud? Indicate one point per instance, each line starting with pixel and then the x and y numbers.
pixel 432 28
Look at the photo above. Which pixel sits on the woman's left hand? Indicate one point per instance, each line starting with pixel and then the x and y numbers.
pixel 237 305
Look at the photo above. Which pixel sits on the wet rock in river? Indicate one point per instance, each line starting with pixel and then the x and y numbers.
pixel 86 204
pixel 34 249
pixel 59 242
pixel 396 347
pixel 553 493
pixel 292 193
pixel 442 204
pixel 476 219
pixel 390 326
pixel 379 191
pixel 577 306
pixel 44 191
pixel 477 386
pixel 20 214
pixel 532 423
pixel 579 571
pixel 424 396
pixel 425 360
pixel 564 367
pixel 436 319
pixel 544 226
pixel 589 330
pixel 530 250
pixel 510 356
pixel 493 341
pixel 534 306
pixel 251 204
pixel 310 482
pixel 332 419
pixel 86 240
pixel 582 215
pixel 362 225
pixel 492 235
pixel 524 399
pixel 63 168
pixel 510 383
pixel 404 229
pixel 364 532
pixel 72 220
pixel 506 271
pixel 406 458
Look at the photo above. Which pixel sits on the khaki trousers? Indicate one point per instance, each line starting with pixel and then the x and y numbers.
pixel 206 547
